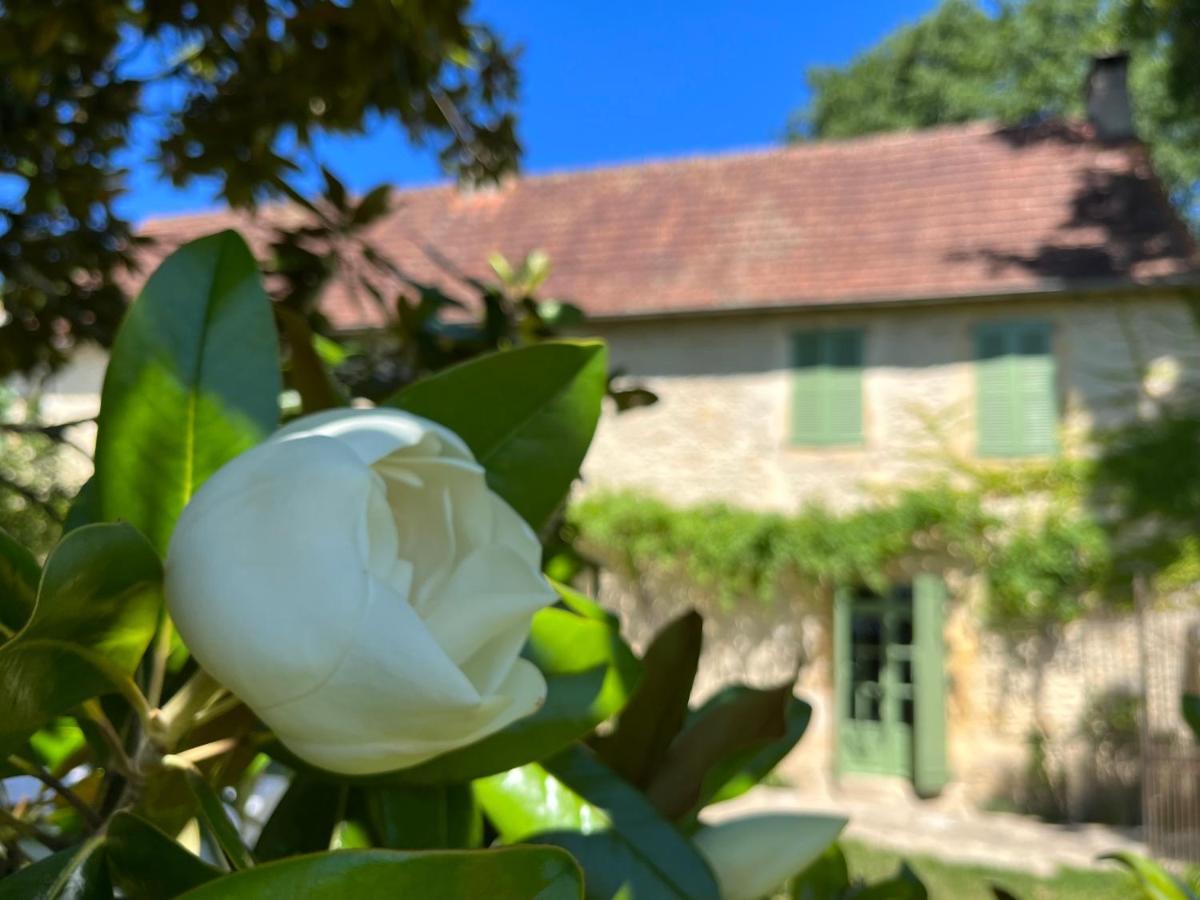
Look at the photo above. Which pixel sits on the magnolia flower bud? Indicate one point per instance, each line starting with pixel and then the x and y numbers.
pixel 354 580
pixel 755 855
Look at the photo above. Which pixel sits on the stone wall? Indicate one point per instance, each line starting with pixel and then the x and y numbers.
pixel 1002 690
pixel 720 430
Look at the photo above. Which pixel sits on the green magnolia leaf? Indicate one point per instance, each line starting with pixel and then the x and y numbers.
pixel 737 773
pixel 303 820
pixel 744 722
pixel 85 508
pixel 590 675
pixel 418 817
pixel 53 745
pixel 213 814
pixel 528 415
pixel 527 800
pixel 826 878
pixel 193 381
pixel 1191 712
pixel 308 374
pixel 77 873
pixel 1154 882
pixel 147 865
pixel 96 610
pixel 515 873
pixel 906 885
pixel 656 712
pixel 19 574
pixel 639 855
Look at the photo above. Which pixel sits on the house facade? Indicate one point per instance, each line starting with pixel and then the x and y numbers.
pixel 823 320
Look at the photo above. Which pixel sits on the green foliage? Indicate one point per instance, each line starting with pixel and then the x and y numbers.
pixel 147 864
pixel 1045 564
pixel 738 554
pixel 96 610
pixel 19 575
pixel 1153 881
pixel 94 682
pixel 33 497
pixel 510 874
pixel 1150 474
pixel 528 416
pixel 1042 571
pixel 76 873
pixel 241 90
pixel 1021 60
pixel 638 852
pixel 193 382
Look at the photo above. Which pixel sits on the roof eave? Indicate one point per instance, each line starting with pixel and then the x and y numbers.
pixel 1077 289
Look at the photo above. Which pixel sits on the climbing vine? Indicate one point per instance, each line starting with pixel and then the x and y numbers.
pixel 1048 555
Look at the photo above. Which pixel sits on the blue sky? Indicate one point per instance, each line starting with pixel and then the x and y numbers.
pixel 607 81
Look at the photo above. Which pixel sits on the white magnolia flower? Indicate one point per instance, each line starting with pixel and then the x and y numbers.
pixel 755 855
pixel 357 584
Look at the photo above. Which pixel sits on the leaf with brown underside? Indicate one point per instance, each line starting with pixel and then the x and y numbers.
pixel 754 718
pixel 656 713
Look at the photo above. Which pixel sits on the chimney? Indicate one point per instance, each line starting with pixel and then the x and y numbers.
pixel 1107 90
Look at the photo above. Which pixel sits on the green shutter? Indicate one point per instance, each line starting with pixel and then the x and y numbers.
pixel 931 769
pixel 1016 387
pixel 1037 382
pixel 827 387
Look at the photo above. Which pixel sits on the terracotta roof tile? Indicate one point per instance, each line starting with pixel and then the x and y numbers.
pixel 955 211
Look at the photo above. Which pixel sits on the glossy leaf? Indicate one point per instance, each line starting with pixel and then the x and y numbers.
pixel 528 415
pixel 640 855
pixel 85 508
pixel 19 574
pixel 905 885
pixel 77 873
pixel 826 878
pixel 303 820
pixel 96 611
pixel 148 865
pixel 735 774
pixel 590 675
pixel 515 873
pixel 412 817
pixel 528 800
pixel 744 722
pixel 213 814
pixel 656 712
pixel 1153 881
pixel 192 382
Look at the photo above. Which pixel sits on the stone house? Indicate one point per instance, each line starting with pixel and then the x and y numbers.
pixel 821 318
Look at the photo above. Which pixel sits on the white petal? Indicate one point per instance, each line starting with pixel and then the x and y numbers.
pixel 510 530
pixel 375 433
pixel 405 741
pixel 488 666
pixel 266 573
pixel 491 592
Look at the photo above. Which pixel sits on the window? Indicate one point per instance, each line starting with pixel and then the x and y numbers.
pixel 827 393
pixel 1016 393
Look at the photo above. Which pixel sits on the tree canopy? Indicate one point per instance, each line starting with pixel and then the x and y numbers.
pixel 233 90
pixel 1022 60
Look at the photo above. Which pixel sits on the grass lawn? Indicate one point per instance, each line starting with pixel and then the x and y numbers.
pixel 951 881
